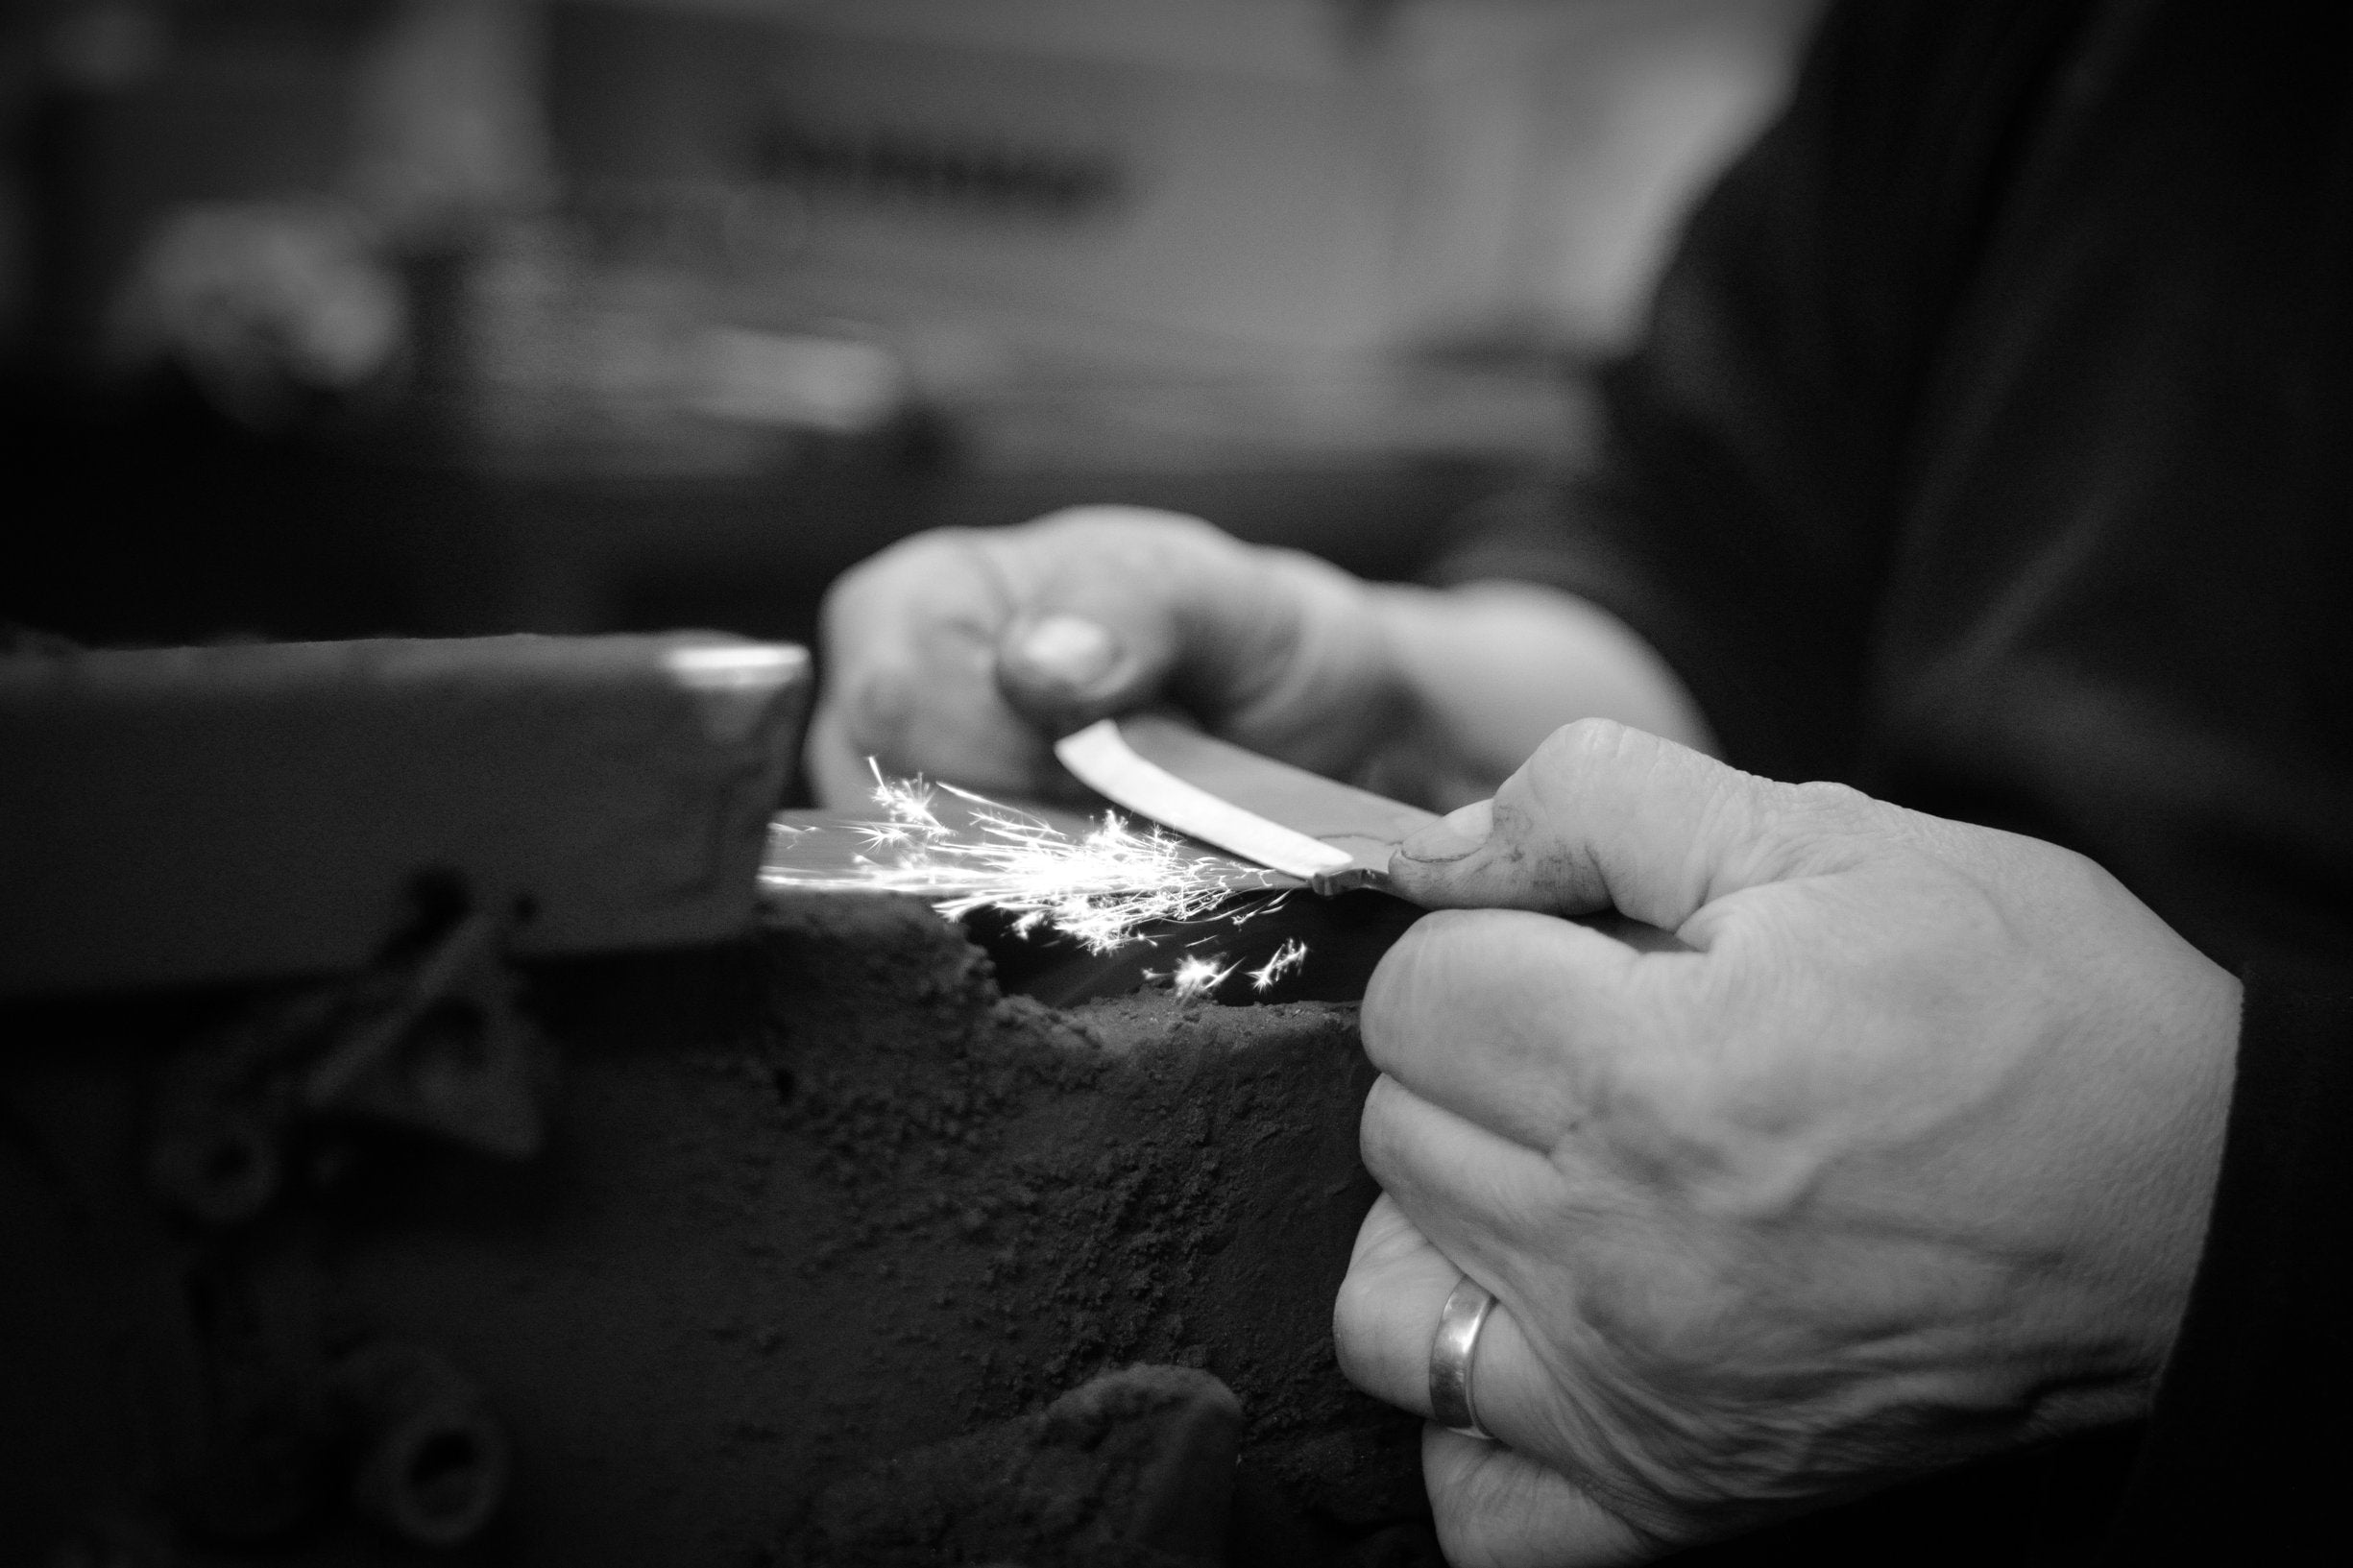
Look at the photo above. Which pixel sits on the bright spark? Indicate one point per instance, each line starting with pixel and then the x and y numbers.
pixel 1287 958
pixel 1197 976
pixel 1100 888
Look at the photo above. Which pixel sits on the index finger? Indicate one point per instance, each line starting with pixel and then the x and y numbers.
pixel 1517 1022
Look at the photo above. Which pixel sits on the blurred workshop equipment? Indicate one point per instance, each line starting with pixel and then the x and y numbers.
pixel 457 316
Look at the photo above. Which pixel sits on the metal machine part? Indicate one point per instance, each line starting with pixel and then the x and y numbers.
pixel 196 815
pixel 434 1461
pixel 429 1038
pixel 262 913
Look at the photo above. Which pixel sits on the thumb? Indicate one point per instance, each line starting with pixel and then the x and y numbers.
pixel 1118 605
pixel 1604 817
pixel 1121 607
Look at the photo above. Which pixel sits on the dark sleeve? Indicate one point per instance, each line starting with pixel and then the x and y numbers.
pixel 2247 1457
pixel 1740 508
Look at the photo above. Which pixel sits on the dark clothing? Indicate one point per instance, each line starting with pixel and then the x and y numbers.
pixel 1991 450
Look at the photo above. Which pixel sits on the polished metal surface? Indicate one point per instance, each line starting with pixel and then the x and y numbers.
pixel 1454 1351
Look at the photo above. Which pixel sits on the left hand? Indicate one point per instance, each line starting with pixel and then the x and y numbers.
pixel 1907 1159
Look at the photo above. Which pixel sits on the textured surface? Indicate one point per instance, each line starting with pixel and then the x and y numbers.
pixel 806 1205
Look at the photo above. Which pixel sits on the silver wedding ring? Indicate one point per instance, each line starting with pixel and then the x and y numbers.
pixel 1453 1350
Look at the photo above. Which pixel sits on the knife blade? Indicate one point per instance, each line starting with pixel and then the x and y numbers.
pixel 1333 837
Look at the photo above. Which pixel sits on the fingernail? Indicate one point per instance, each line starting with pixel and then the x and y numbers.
pixel 1453 836
pixel 1070 650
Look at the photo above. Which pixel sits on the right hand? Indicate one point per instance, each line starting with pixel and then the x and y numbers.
pixel 1904 1159
pixel 964 655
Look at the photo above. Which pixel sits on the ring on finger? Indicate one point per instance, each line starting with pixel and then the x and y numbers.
pixel 1454 1351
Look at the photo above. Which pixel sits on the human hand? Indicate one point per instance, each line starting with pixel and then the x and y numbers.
pixel 965 653
pixel 1908 1159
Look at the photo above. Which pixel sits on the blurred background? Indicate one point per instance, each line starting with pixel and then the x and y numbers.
pixel 332 318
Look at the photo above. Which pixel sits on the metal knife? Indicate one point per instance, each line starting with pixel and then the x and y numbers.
pixel 1330 835
pixel 1333 837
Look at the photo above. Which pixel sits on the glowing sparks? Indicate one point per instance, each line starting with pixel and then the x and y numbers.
pixel 1287 958
pixel 1100 888
pixel 1197 976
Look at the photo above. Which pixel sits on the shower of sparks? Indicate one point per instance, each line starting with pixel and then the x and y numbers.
pixel 1287 958
pixel 1100 888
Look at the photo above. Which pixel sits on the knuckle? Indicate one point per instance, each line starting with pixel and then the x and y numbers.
pixel 1400 982
pixel 1794 825
pixel 1669 1123
pixel 1128 532
pixel 897 576
pixel 915 558
pixel 1591 759
pixel 1660 1335
pixel 1588 740
pixel 1832 805
pixel 838 611
pixel 1736 1153
pixel 1445 968
pixel 1379 1133
pixel 1148 519
pixel 1355 1321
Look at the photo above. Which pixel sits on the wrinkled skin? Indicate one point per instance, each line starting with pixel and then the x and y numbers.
pixel 1907 1159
